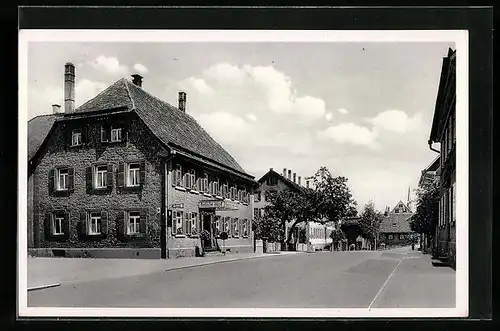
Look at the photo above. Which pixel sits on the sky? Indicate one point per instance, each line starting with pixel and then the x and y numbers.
pixel 364 110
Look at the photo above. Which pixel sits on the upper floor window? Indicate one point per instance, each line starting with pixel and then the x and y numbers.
pixel 257 196
pixel 133 174
pixel 116 135
pixel 272 180
pixel 191 179
pixel 215 189
pixel 233 193
pixel 76 137
pixel 224 191
pixel 204 183
pixel 101 176
pixel 177 175
pixel 62 179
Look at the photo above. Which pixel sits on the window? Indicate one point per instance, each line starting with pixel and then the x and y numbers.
pixel 401 236
pixel 95 223
pixel 217 225
pixel 235 230
pixel 215 189
pixel 194 224
pixel 104 133
pixel 204 183
pixel 394 224
pixel 76 137
pixel 227 225
pixel 62 179
pixel 271 180
pixel 244 228
pixel 390 237
pixel 134 220
pixel 57 225
pixel 177 222
pixel 133 174
pixel 223 191
pixel 233 193
pixel 100 176
pixel 177 175
pixel 191 179
pixel 116 135
pixel 257 196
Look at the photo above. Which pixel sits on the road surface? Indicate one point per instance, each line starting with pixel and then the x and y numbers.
pixel 318 280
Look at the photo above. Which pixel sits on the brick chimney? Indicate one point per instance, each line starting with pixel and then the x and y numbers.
pixel 182 101
pixel 56 109
pixel 69 87
pixel 294 177
pixel 299 181
pixel 289 174
pixel 307 183
pixel 284 172
pixel 137 80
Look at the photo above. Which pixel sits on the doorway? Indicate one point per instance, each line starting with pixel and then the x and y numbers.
pixel 208 226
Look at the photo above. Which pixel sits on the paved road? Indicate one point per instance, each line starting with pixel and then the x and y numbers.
pixel 318 280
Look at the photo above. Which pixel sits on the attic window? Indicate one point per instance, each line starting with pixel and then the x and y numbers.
pixel 394 224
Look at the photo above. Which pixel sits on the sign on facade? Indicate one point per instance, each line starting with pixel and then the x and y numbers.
pixel 218 205
pixel 177 205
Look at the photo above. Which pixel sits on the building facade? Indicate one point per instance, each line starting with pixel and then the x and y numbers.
pixel 395 227
pixel 128 175
pixel 443 132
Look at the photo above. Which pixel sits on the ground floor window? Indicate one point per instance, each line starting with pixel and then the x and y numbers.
pixel 95 223
pixel 134 220
pixel 177 222
pixel 217 225
pixel 401 236
pixel 57 224
pixel 390 237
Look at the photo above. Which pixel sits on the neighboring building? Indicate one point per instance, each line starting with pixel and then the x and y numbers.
pixel 395 227
pixel 128 175
pixel 443 132
pixel 312 233
pixel 38 129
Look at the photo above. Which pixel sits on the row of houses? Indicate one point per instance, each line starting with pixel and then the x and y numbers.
pixel 443 167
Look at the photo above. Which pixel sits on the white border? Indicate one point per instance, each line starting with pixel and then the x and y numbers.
pixel 459 37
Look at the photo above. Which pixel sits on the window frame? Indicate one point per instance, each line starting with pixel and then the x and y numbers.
pixel 137 171
pixel 57 218
pixel 94 216
pixel 119 135
pixel 177 215
pixel 390 236
pixel 76 133
pixel 136 217
pixel 66 180
pixel 104 173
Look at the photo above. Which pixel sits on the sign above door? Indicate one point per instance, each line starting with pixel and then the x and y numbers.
pixel 218 205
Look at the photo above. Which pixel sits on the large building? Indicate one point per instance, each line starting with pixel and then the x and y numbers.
pixel 128 175
pixel 443 133
pixel 395 227
pixel 312 236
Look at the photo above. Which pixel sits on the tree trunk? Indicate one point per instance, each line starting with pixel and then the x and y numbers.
pixel 290 232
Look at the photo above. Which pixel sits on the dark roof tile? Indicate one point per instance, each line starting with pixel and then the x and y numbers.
pixel 38 129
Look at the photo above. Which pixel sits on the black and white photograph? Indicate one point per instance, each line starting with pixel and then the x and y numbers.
pixel 243 173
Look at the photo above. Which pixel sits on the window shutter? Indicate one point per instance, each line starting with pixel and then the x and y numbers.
pixel 108 132
pixel 83 224
pixel 143 224
pixel 52 180
pixel 84 135
pixel 104 134
pixel 229 229
pixel 71 179
pixel 104 223
pixel 120 175
pixel 120 224
pixel 109 176
pixel 48 226
pixel 89 179
pixel 143 172
pixel 185 225
pixel 124 133
pixel 65 226
pixel 68 135
pixel 175 177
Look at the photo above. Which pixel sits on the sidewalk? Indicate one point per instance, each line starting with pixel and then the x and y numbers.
pixel 47 272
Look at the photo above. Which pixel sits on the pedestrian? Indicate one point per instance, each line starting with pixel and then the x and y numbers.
pixel 412 246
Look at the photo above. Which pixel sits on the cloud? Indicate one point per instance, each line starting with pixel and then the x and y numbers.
pixel 251 117
pixel 86 89
pixel 196 85
pixel 396 121
pixel 342 110
pixel 110 65
pixel 224 127
pixel 329 117
pixel 349 133
pixel 141 68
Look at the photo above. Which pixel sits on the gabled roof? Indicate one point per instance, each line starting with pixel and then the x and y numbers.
pixel 176 129
pixel 287 181
pixel 38 129
pixel 405 207
pixel 444 80
pixel 396 223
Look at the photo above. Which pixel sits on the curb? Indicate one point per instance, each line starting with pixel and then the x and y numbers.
pixel 41 287
pixel 217 262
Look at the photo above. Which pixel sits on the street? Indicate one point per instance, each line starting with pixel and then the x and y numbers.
pixel 359 279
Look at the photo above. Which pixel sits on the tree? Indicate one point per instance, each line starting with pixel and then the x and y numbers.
pixel 370 222
pixel 337 201
pixel 337 236
pixel 425 218
pixel 266 228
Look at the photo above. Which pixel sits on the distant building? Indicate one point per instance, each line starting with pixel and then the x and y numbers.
pixel 443 132
pixel 316 234
pixel 395 227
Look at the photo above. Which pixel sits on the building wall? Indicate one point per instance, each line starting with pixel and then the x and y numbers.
pixel 396 240
pixel 182 246
pixel 141 145
pixel 29 220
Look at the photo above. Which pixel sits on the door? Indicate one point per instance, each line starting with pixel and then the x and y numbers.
pixel 207 226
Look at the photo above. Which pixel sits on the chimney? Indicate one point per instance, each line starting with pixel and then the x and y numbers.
pixel 307 183
pixel 294 177
pixel 182 101
pixel 137 80
pixel 56 109
pixel 271 169
pixel 69 87
pixel 284 172
pixel 299 182
pixel 289 174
